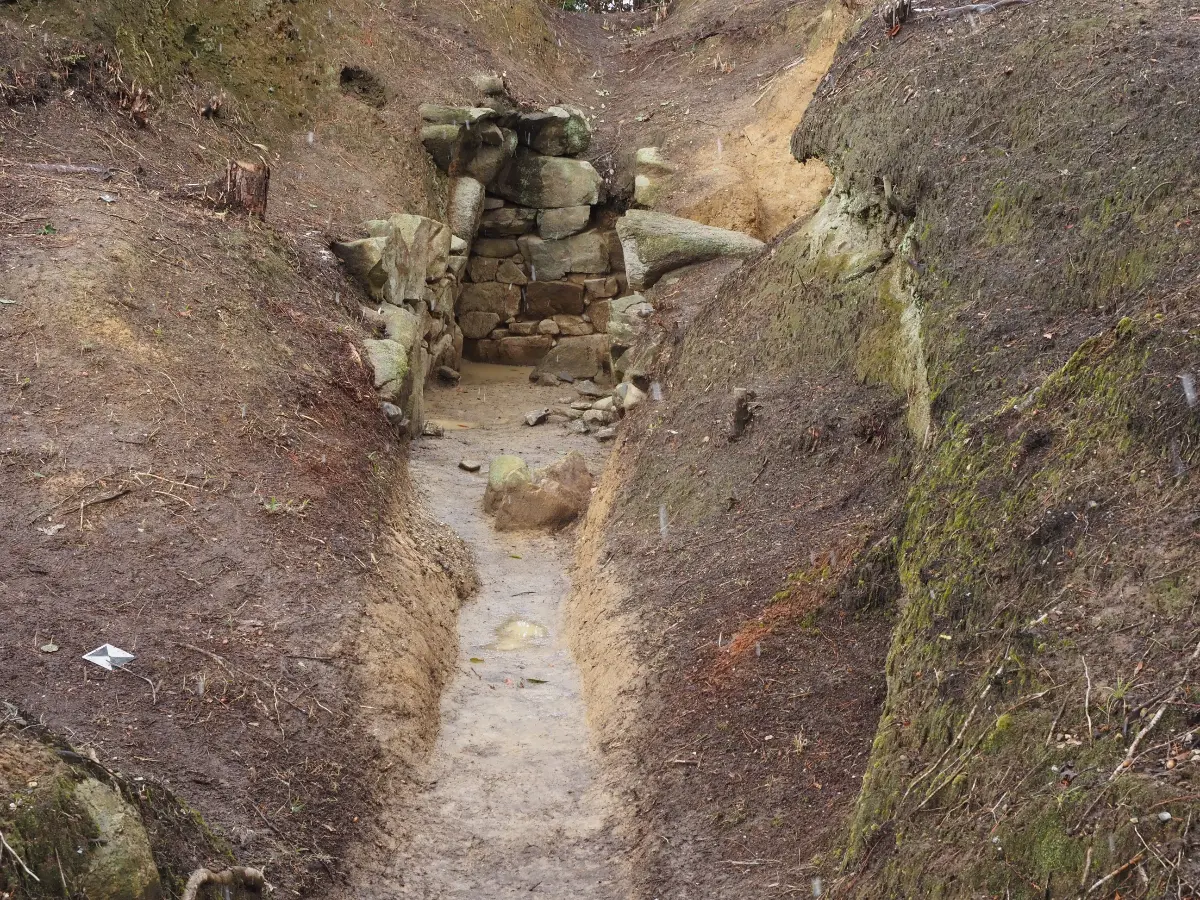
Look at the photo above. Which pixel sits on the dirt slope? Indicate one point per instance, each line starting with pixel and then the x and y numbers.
pixel 974 443
pixel 193 460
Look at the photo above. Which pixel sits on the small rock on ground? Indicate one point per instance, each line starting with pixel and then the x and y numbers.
pixel 536 417
pixel 470 465
pixel 589 388
pixel 448 375
pixel 606 434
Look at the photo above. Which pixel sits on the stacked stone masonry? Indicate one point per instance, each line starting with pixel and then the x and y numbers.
pixel 541 271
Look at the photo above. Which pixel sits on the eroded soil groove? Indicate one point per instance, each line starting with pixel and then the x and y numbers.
pixel 510 804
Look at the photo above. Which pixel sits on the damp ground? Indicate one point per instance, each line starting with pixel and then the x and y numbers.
pixel 509 802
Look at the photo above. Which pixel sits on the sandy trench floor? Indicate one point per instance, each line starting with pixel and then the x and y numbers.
pixel 511 804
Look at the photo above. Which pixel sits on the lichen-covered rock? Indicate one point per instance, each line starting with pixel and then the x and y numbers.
pixel 120 864
pixel 656 243
pixel 66 825
pixel 465 207
pixel 389 363
pixel 364 261
pixel 506 474
pixel 555 224
pixel 548 182
pixel 557 131
pixel 580 357
pixel 586 253
pixel 553 498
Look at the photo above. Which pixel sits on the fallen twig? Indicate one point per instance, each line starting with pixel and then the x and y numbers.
pixel 28 871
pixel 1131 753
pixel 103 172
pixel 970 8
pixel 1087 697
pixel 1115 872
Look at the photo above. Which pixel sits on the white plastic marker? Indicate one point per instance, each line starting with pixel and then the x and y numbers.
pixel 106 656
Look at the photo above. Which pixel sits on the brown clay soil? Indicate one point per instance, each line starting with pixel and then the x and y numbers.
pixel 182 394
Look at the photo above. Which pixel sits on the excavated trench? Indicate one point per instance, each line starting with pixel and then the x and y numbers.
pixel 514 800
pixel 509 803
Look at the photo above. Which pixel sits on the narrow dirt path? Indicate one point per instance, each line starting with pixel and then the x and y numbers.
pixel 511 805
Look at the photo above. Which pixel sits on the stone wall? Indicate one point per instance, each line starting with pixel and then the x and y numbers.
pixel 541 270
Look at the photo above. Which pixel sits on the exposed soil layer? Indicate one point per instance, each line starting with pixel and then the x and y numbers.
pixel 509 803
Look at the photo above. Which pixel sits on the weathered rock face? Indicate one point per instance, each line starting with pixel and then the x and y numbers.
pixel 551 499
pixel 656 243
pixel 548 182
pixel 502 299
pixel 651 171
pixel 465 207
pixel 548 298
pixel 586 253
pixel 558 131
pixel 580 357
pixel 554 224
pixel 505 475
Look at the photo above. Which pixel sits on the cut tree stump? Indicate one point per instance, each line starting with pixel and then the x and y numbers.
pixel 243 189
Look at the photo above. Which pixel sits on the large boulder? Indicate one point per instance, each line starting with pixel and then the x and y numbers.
pixel 389 363
pixel 554 224
pixel 440 142
pixel 476 325
pixel 488 159
pixel 121 864
pixel 586 254
pixel 548 298
pixel 399 323
pixel 656 243
pixel 502 299
pixel 626 318
pixel 548 182
pixel 579 357
pixel 415 250
pixel 557 131
pixel 554 497
pixel 67 826
pixel 364 261
pixel 465 207
pixel 508 221
pixel 523 351
pixel 506 474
